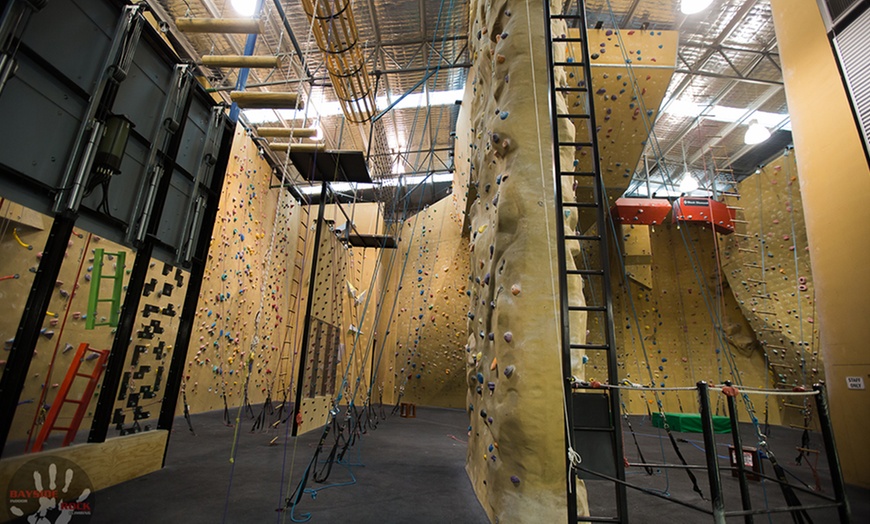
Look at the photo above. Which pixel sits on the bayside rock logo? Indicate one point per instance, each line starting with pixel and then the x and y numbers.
pixel 49 490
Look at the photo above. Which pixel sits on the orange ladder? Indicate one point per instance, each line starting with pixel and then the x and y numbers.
pixel 60 399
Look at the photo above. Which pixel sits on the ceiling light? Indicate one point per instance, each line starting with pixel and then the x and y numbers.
pixel 756 133
pixel 690 7
pixel 688 184
pixel 245 7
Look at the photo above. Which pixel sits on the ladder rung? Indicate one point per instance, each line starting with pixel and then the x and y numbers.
pixel 55 428
pixel 568 64
pixel 572 115
pixel 111 277
pixel 83 375
pixel 565 17
pixel 567 39
pixel 587 308
pixel 592 428
pixel 582 237
pixel 79 401
pixel 585 271
pixel 580 204
pixel 575 144
pixel 590 346
pixel 576 173
pixel 572 89
pixel 581 518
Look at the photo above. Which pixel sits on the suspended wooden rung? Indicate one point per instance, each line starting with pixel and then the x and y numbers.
pixel 765 313
pixel 304 132
pixel 755 280
pixel 742 235
pixel 220 25
pixel 744 250
pixel 264 62
pixel 740 221
pixel 266 100
pixel 793 406
pixel 775 347
pixel 301 148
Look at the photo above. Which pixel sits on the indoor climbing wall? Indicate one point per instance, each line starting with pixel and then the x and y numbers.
pixel 424 354
pixel 354 370
pixel 516 447
pixel 668 332
pixel 237 345
pixel 631 70
pixel 71 309
pixel 147 364
pixel 326 342
pixel 767 262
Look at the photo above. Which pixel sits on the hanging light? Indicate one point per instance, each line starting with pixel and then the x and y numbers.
pixel 245 7
pixel 688 183
pixel 690 7
pixel 755 133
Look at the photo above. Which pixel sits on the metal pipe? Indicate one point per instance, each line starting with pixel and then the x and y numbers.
pixel 716 498
pixel 300 148
pixel 831 455
pixel 738 451
pixel 285 132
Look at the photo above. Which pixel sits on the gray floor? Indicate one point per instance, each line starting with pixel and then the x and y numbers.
pixel 412 470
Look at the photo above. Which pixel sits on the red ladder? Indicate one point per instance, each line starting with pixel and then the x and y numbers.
pixel 82 403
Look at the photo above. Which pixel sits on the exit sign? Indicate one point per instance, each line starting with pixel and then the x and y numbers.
pixel 855 382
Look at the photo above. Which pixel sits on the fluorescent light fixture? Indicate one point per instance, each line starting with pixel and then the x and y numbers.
pixel 686 109
pixel 688 184
pixel 690 7
pixel 755 133
pixel 245 7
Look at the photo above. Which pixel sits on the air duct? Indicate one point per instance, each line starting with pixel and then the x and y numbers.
pixel 336 35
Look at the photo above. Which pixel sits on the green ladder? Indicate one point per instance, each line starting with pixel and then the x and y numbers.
pixel 97 277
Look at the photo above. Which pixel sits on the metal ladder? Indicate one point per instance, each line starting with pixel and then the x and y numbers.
pixel 97 277
pixel 593 426
pixel 100 355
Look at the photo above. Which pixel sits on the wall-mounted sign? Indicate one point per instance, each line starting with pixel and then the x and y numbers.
pixel 855 382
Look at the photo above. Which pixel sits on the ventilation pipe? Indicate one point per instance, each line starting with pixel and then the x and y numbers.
pixel 336 35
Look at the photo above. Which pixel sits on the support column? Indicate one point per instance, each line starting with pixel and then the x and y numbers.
pixel 835 185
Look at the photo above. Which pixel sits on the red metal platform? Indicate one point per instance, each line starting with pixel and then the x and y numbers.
pixel 707 210
pixel 640 211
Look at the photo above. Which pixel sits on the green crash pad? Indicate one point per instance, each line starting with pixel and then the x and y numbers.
pixel 690 422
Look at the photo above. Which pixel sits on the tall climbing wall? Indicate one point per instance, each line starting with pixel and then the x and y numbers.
pixel 424 353
pixel 516 448
pixel 360 291
pixel 244 304
pixel 680 326
pixel 767 262
pixel 631 71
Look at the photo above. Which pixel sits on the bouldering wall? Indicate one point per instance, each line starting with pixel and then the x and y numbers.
pixel 516 447
pixel 423 358
pixel 767 262
pixel 24 233
pixel 835 181
pixel 685 326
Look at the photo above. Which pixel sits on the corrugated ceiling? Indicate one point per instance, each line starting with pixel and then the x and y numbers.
pixel 727 57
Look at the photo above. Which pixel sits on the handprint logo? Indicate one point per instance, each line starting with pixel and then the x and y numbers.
pixel 50 490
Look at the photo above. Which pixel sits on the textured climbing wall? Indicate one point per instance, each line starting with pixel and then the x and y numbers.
pixel 626 102
pixel 516 448
pixel 424 354
pixel 767 262
pixel 245 303
pixel 666 332
pixel 360 291
pixel 64 327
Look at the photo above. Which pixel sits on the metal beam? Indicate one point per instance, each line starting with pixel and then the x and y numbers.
pixel 733 78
